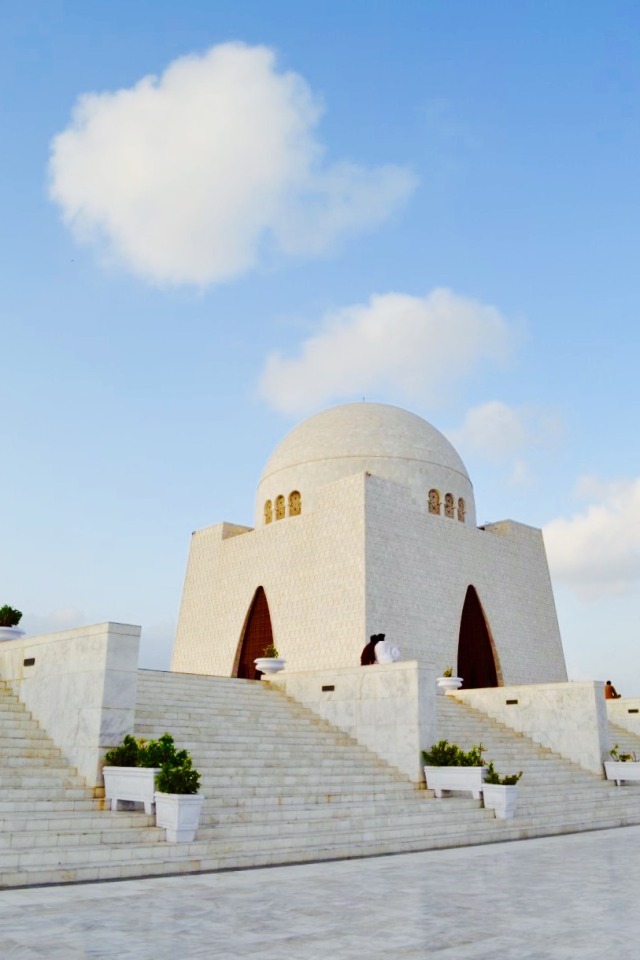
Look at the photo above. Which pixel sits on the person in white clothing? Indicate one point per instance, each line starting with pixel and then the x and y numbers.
pixel 386 652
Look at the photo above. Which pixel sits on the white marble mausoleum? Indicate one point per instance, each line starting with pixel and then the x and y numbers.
pixel 365 522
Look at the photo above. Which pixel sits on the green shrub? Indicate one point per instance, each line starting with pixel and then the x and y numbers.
pixel 146 753
pixel 157 753
pixel 178 779
pixel 126 755
pixel 622 757
pixel 445 754
pixel 447 672
pixel 493 777
pixel 271 651
pixel 9 616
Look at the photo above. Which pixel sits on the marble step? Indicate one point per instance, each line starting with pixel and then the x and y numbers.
pixel 218 854
pixel 52 805
pixel 18 762
pixel 308 738
pixel 75 838
pixel 67 821
pixel 15 751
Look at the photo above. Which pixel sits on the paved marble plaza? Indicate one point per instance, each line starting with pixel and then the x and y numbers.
pixel 548 899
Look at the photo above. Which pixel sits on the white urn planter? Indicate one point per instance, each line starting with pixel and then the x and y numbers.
pixel 11 633
pixel 448 684
pixel 136 784
pixel 501 798
pixel 179 814
pixel 619 770
pixel 269 664
pixel 441 779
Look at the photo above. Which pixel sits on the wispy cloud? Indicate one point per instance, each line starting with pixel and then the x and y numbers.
pixel 506 436
pixel 417 347
pixel 597 552
pixel 192 176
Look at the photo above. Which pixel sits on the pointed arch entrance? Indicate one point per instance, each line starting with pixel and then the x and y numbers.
pixel 256 635
pixel 476 660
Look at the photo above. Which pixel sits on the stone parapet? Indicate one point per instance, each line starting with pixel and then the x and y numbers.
pixel 80 685
pixel 625 713
pixel 388 708
pixel 568 718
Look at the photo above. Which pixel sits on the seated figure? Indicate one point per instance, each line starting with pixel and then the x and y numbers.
pixel 610 692
pixel 385 651
pixel 368 655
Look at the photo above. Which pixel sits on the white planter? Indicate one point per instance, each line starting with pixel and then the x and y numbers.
pixel 11 633
pixel 455 778
pixel 269 664
pixel 448 684
pixel 501 798
pixel 179 814
pixel 619 771
pixel 135 784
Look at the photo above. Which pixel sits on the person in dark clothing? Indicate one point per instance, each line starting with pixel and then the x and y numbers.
pixel 368 655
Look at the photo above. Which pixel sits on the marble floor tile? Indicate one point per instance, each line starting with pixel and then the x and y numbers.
pixel 557 898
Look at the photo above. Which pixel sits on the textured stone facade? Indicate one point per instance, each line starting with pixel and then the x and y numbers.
pixel 366 556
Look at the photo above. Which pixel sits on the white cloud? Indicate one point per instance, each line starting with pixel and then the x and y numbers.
pixel 597 552
pixel 191 176
pixel 506 435
pixel 418 347
pixel 494 431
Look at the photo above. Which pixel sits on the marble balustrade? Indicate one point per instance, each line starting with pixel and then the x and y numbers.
pixel 80 686
pixel 389 708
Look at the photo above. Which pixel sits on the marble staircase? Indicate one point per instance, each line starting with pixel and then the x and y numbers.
pixel 555 795
pixel 51 826
pixel 281 786
pixel 627 742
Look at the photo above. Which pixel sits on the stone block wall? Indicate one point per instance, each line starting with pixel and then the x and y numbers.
pixel 419 567
pixel 312 570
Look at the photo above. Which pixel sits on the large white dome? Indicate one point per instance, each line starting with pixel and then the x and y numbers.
pixel 385 441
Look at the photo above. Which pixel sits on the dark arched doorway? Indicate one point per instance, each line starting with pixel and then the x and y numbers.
pixel 256 635
pixel 476 662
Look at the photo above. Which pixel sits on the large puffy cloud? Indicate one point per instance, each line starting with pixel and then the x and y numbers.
pixel 189 177
pixel 597 552
pixel 417 347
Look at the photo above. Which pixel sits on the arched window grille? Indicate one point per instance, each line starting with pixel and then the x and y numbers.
pixel 449 506
pixel 462 510
pixel 434 501
pixel 268 512
pixel 280 508
pixel 295 504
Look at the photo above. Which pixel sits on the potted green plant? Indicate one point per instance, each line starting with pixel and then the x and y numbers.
pixel 447 682
pixel 178 803
pixel 448 767
pixel 622 766
pixel 9 620
pixel 130 769
pixel 270 661
pixel 500 794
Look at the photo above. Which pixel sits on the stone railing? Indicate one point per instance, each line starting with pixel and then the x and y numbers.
pixel 80 685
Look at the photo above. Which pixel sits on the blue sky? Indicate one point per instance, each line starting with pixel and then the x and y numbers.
pixel 445 193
